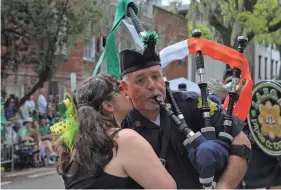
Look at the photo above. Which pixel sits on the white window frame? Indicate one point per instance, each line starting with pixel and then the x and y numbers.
pixel 90 50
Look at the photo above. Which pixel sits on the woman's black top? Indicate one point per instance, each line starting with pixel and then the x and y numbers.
pixel 84 179
pixel 79 177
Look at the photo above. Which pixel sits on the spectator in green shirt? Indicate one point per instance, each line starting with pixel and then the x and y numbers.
pixel 46 138
pixel 26 132
pixel 29 136
pixel 3 124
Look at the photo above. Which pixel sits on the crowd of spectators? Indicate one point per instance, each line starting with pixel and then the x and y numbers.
pixel 29 124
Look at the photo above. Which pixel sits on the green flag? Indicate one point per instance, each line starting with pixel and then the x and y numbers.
pixel 110 53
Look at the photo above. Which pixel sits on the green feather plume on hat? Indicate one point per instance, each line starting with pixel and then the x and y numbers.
pixel 150 37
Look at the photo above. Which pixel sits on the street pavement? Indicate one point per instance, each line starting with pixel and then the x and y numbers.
pixel 41 178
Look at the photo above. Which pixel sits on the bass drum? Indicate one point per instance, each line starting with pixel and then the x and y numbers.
pixel 264 118
pixel 264 130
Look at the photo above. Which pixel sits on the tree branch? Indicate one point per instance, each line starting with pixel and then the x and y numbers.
pixel 49 59
pixel 39 84
pixel 217 24
pixel 236 5
pixel 249 5
pixel 250 36
pixel 52 43
pixel 274 27
pixel 9 31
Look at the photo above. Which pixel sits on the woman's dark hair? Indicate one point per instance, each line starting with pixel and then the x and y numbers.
pixel 93 146
pixel 7 102
pixel 63 157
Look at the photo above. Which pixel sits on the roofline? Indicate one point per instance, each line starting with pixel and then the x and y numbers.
pixel 180 16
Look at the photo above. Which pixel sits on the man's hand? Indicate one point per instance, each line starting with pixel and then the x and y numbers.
pixel 236 168
pixel 47 137
pixel 51 137
pixel 31 139
pixel 9 122
pixel 13 119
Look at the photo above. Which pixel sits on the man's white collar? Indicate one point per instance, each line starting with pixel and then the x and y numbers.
pixel 157 121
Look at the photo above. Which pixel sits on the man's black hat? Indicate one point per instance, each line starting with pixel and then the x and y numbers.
pixel 182 86
pixel 131 60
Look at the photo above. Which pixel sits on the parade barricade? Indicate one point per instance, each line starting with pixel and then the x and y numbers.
pixel 7 145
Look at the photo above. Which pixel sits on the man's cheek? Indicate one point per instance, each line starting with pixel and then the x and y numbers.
pixel 135 91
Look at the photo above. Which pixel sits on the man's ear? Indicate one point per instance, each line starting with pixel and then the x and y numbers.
pixel 107 106
pixel 124 85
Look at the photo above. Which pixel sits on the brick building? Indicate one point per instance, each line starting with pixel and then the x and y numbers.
pixel 81 59
pixel 171 28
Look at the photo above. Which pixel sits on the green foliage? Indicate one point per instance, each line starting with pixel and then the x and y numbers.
pixel 39 32
pixel 206 31
pixel 257 19
pixel 264 14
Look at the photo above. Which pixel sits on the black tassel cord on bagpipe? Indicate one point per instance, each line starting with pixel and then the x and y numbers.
pixel 208 155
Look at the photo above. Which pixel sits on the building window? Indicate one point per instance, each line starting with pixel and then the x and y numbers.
pixel 53 88
pixel 260 67
pixel 90 50
pixel 272 69
pixel 100 44
pixel 265 68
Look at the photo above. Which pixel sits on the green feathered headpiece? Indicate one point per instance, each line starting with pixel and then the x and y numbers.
pixel 150 38
pixel 66 129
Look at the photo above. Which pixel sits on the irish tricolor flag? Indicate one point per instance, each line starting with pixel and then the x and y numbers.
pixel 221 53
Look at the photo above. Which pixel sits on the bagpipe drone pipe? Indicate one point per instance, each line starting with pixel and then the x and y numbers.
pixel 208 154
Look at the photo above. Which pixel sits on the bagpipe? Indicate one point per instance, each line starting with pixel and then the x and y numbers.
pixel 208 154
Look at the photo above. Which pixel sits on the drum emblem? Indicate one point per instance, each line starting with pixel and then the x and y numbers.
pixel 264 118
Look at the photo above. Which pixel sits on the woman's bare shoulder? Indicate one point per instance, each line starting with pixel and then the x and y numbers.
pixel 129 137
pixel 127 134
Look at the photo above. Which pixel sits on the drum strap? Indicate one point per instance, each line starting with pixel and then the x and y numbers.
pixel 243 151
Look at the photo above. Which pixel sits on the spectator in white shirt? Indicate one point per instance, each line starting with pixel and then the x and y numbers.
pixel 29 107
pixel 42 102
